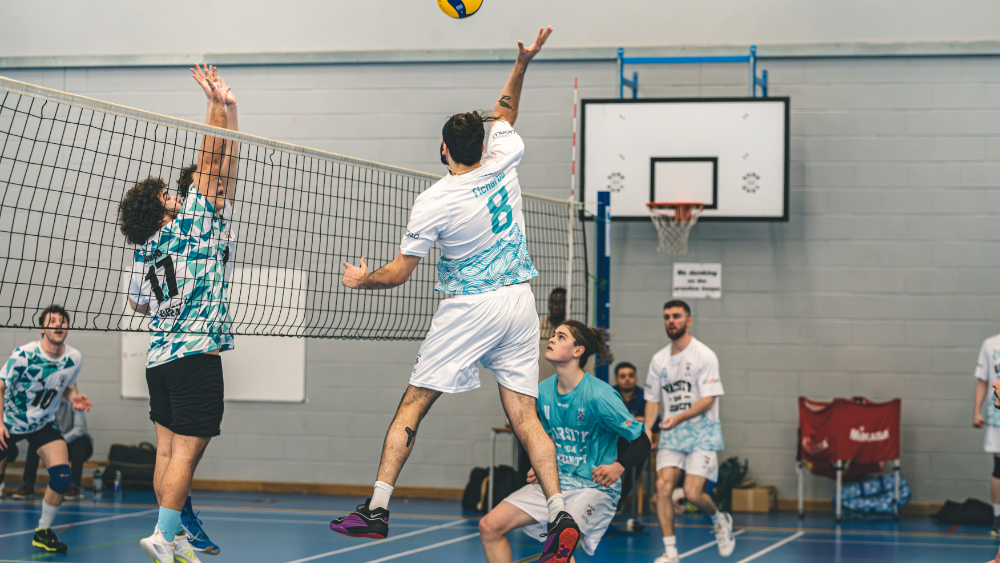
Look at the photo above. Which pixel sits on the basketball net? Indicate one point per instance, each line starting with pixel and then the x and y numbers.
pixel 673 223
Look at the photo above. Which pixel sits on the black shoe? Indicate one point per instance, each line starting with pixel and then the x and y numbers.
pixel 363 523
pixel 46 541
pixel 561 539
pixel 995 532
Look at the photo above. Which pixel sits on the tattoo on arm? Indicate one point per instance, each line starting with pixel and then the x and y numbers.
pixel 410 435
pixel 503 102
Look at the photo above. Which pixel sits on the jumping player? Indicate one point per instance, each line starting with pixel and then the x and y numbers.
pixel 596 439
pixel 31 383
pixel 684 377
pixel 474 214
pixel 179 280
pixel 987 374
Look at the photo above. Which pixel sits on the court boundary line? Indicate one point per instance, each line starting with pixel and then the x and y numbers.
pixel 424 548
pixel 773 547
pixel 378 542
pixel 701 548
pixel 86 522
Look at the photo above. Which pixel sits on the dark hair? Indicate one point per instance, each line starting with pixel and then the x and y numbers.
pixel 594 341
pixel 558 291
pixel 141 211
pixel 624 365
pixel 185 180
pixel 53 308
pixel 464 134
pixel 677 303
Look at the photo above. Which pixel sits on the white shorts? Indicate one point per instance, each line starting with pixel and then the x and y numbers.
pixel 699 462
pixel 498 328
pixel 592 509
pixel 991 442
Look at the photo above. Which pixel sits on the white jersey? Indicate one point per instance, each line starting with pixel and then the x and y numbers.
pixel 988 370
pixel 477 220
pixel 35 384
pixel 678 382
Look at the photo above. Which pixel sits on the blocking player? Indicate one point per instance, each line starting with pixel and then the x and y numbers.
pixel 596 439
pixel 474 214
pixel 179 280
pixel 987 374
pixel 684 378
pixel 32 382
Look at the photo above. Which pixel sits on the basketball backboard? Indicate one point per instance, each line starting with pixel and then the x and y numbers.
pixel 730 154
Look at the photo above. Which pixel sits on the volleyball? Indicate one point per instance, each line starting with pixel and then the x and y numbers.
pixel 459 8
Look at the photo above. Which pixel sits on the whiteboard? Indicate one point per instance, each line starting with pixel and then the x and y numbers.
pixel 259 368
pixel 729 153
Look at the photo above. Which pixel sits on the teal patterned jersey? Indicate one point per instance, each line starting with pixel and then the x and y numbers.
pixel 35 385
pixel 988 370
pixel 181 274
pixel 678 381
pixel 585 425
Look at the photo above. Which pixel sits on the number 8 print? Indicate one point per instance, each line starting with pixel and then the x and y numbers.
pixel 497 208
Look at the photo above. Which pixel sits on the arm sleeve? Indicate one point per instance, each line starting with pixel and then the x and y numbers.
pixel 504 143
pixel 983 365
pixel 709 382
pixel 631 454
pixel 13 368
pixel 427 219
pixel 652 390
pixel 615 417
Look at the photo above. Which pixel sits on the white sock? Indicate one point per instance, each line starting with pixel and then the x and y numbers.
pixel 670 544
pixel 556 505
pixel 996 510
pixel 380 498
pixel 48 515
pixel 718 517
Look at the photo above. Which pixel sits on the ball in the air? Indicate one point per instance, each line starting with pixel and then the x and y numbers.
pixel 459 8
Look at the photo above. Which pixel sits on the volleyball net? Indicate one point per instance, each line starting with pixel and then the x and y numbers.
pixel 66 161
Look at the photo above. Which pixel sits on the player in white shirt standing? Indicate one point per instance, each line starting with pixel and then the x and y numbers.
pixel 684 377
pixel 474 214
pixel 987 375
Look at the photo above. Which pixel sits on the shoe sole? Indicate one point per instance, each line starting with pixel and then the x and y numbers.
pixel 370 535
pixel 207 551
pixel 46 548
pixel 569 536
pixel 142 544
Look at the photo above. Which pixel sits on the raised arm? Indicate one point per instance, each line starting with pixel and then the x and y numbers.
pixel 230 166
pixel 213 150
pixel 393 274
pixel 510 99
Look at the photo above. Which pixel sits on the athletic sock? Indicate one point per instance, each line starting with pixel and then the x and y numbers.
pixel 48 515
pixel 718 517
pixel 381 496
pixel 670 544
pixel 169 523
pixel 996 510
pixel 556 505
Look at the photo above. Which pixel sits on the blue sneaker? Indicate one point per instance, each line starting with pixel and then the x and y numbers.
pixel 196 536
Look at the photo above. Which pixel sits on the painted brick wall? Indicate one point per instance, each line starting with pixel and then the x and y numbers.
pixel 883 283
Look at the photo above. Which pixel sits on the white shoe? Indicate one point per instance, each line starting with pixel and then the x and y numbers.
pixel 724 536
pixel 183 551
pixel 157 548
pixel 671 557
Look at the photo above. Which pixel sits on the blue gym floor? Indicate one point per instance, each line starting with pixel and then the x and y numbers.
pixel 293 528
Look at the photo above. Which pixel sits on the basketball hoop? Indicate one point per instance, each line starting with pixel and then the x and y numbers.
pixel 673 223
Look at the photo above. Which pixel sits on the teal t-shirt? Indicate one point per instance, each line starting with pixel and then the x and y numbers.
pixel 585 425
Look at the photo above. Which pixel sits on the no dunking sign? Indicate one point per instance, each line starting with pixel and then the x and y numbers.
pixel 697 281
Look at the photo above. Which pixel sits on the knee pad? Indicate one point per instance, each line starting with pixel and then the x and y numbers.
pixel 60 478
pixel 996 467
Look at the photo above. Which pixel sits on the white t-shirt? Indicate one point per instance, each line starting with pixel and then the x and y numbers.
pixel 988 370
pixel 476 218
pixel 678 382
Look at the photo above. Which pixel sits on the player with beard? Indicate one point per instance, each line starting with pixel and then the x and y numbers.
pixel 684 378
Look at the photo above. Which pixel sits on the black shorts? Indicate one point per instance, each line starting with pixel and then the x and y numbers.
pixel 185 395
pixel 36 439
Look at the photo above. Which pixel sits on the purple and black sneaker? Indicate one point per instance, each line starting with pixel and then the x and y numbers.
pixel 364 523
pixel 561 539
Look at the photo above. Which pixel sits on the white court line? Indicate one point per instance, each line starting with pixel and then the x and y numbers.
pixel 706 546
pixel 425 548
pixel 85 522
pixel 286 521
pixel 767 550
pixel 379 542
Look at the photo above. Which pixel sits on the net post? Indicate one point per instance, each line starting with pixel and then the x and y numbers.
pixel 603 312
pixel 569 263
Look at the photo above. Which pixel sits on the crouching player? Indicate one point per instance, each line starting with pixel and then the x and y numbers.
pixel 596 441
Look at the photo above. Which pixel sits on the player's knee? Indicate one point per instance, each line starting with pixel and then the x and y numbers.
pixel 996 467
pixel 663 486
pixel 60 478
pixel 691 491
pixel 490 528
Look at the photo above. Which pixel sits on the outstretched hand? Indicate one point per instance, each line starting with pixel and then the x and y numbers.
pixel 525 54
pixel 354 274
pixel 81 403
pixel 202 74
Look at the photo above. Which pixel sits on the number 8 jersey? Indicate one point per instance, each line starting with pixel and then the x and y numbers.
pixel 477 220
pixel 181 274
pixel 35 384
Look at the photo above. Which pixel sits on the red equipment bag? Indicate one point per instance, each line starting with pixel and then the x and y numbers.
pixel 863 432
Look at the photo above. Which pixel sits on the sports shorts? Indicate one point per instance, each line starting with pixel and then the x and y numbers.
pixel 186 395
pixel 592 509
pixel 699 462
pixel 498 328
pixel 991 442
pixel 44 435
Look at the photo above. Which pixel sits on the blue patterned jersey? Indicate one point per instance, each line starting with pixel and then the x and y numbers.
pixel 181 273
pixel 678 382
pixel 477 220
pixel 585 425
pixel 35 385
pixel 988 370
